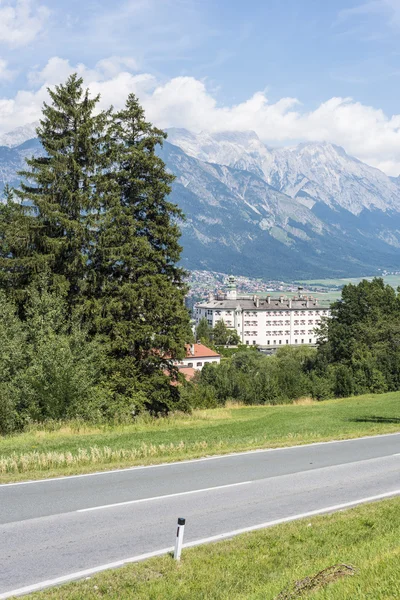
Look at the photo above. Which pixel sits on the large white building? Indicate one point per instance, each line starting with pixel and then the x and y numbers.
pixel 265 321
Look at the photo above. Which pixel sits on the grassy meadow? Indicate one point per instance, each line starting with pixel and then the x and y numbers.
pixel 393 280
pixel 350 555
pixel 72 448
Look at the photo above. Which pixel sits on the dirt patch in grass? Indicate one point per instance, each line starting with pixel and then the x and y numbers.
pixel 304 586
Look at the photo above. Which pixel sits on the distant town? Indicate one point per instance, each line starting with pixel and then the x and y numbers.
pixel 203 283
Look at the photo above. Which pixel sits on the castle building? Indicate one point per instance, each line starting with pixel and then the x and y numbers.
pixel 265 322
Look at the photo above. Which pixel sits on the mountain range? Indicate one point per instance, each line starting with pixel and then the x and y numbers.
pixel 281 213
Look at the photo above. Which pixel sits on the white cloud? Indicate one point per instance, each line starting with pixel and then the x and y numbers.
pixel 388 9
pixel 364 131
pixel 5 73
pixel 21 21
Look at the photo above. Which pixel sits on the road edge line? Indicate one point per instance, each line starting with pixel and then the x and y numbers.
pixel 193 460
pixel 230 534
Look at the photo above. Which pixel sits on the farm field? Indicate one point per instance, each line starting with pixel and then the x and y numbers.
pixel 393 280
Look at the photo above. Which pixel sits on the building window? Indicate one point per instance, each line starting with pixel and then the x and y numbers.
pixel 254 342
pixel 247 342
pixel 280 341
pixel 310 341
pixel 295 341
pixel 302 341
pixel 209 321
pixel 209 312
pixel 198 364
pixel 190 365
pixel 268 342
pixel 287 341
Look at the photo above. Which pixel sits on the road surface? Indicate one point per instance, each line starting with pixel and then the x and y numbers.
pixel 62 529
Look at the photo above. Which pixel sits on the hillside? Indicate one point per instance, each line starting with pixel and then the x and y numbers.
pixel 284 213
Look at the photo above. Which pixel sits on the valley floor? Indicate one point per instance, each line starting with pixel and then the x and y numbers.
pixel 73 448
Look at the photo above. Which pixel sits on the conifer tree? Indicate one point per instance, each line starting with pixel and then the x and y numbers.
pixel 93 214
pixel 138 289
pixel 58 198
pixel 18 230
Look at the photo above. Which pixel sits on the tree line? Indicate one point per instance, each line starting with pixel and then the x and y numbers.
pixel 358 352
pixel 91 292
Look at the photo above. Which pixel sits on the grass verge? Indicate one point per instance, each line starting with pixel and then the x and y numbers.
pixel 271 564
pixel 76 448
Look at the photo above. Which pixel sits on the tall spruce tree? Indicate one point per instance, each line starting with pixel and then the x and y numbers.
pixel 137 288
pixel 93 213
pixel 18 230
pixel 59 199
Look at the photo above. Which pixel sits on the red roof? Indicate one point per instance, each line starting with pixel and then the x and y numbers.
pixel 199 351
pixel 188 372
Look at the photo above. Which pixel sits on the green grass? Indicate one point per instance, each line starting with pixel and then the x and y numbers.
pixel 393 280
pixel 260 565
pixel 76 448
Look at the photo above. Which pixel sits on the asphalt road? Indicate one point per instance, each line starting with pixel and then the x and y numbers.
pixel 60 529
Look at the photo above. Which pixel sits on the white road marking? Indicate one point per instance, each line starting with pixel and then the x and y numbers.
pixel 88 572
pixel 117 504
pixel 81 574
pixel 195 460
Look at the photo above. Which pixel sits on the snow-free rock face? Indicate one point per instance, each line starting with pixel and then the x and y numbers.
pixel 285 213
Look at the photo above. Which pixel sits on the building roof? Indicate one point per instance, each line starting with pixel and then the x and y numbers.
pixel 263 304
pixel 188 372
pixel 198 350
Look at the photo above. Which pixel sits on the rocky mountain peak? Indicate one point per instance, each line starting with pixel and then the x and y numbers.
pixel 18 136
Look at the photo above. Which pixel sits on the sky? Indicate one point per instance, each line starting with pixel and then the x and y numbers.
pixel 291 70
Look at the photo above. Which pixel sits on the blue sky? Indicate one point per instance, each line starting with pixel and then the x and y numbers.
pixel 290 69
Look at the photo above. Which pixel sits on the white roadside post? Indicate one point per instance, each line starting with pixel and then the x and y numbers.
pixel 179 539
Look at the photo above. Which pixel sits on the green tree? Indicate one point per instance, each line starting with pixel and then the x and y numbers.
pixel 17 238
pixel 362 339
pixel 61 195
pixel 137 290
pixel 204 331
pixel 13 360
pixel 93 213
pixel 223 336
pixel 49 368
